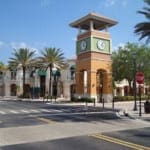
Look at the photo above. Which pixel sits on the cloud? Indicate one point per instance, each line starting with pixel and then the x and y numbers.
pixel 124 3
pixel 74 39
pixel 111 3
pixel 1 44
pixel 117 46
pixel 45 3
pixel 16 45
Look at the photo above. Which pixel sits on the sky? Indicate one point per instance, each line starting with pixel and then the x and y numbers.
pixel 37 24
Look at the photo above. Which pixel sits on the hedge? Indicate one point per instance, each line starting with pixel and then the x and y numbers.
pixel 83 99
pixel 128 98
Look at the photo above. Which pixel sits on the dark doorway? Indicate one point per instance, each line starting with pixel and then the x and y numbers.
pixel 42 86
pixel 13 90
pixel 72 90
pixel 27 91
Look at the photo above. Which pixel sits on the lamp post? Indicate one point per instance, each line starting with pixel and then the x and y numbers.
pixel 134 80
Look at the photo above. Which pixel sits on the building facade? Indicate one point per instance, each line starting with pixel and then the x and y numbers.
pixel 37 82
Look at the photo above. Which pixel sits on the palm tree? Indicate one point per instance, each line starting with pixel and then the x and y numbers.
pixel 24 58
pixel 52 57
pixel 3 67
pixel 143 28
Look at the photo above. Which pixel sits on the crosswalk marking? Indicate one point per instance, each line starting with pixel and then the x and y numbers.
pixel 56 110
pixel 34 111
pixel 24 111
pixel 14 111
pixel 2 112
pixel 27 111
pixel 45 110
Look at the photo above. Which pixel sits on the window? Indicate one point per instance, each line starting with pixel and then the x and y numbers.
pixel 13 75
pixel 72 72
pixel 1 75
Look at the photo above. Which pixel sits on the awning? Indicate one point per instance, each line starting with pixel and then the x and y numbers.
pixel 73 67
pixel 42 72
pixel 57 73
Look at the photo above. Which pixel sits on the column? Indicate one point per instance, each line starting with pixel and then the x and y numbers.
pixel 79 31
pixel 85 81
pixel 122 91
pixel 91 25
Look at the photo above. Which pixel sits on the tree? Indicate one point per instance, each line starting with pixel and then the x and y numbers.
pixel 122 65
pixel 52 57
pixel 23 58
pixel 123 62
pixel 3 67
pixel 143 29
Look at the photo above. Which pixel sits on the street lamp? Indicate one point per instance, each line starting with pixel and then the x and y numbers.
pixel 134 79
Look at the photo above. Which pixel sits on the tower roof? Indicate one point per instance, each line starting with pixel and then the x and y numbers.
pixel 100 22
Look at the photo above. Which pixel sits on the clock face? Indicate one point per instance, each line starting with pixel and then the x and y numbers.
pixel 101 44
pixel 83 45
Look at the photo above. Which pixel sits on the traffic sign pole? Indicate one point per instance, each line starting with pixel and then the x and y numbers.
pixel 140 80
pixel 140 113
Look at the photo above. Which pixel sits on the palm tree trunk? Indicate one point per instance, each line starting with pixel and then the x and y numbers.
pixel 50 80
pixel 24 73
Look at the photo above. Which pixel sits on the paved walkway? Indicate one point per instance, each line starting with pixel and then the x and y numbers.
pixel 126 108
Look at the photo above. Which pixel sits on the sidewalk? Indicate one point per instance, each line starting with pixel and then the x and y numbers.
pixel 126 108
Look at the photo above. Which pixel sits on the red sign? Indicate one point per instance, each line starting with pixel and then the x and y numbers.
pixel 140 77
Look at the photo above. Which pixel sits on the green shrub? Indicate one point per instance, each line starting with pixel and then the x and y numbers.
pixel 129 98
pixel 83 99
pixel 123 98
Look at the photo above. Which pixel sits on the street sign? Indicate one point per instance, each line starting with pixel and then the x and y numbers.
pixel 140 77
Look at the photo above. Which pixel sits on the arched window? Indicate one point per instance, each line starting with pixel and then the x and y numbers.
pixel 72 72
pixel 13 74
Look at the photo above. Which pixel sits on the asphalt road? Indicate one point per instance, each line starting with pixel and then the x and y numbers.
pixel 129 141
pixel 139 136
pixel 29 116
pixel 13 114
pixel 75 143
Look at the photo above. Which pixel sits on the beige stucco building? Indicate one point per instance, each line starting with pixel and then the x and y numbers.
pixel 37 82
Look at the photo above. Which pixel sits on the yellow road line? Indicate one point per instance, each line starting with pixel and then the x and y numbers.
pixel 120 142
pixel 46 120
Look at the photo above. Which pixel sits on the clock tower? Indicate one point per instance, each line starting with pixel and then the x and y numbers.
pixel 93 50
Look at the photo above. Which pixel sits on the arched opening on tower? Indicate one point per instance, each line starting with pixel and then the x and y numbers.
pixel 101 82
pixel 83 79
